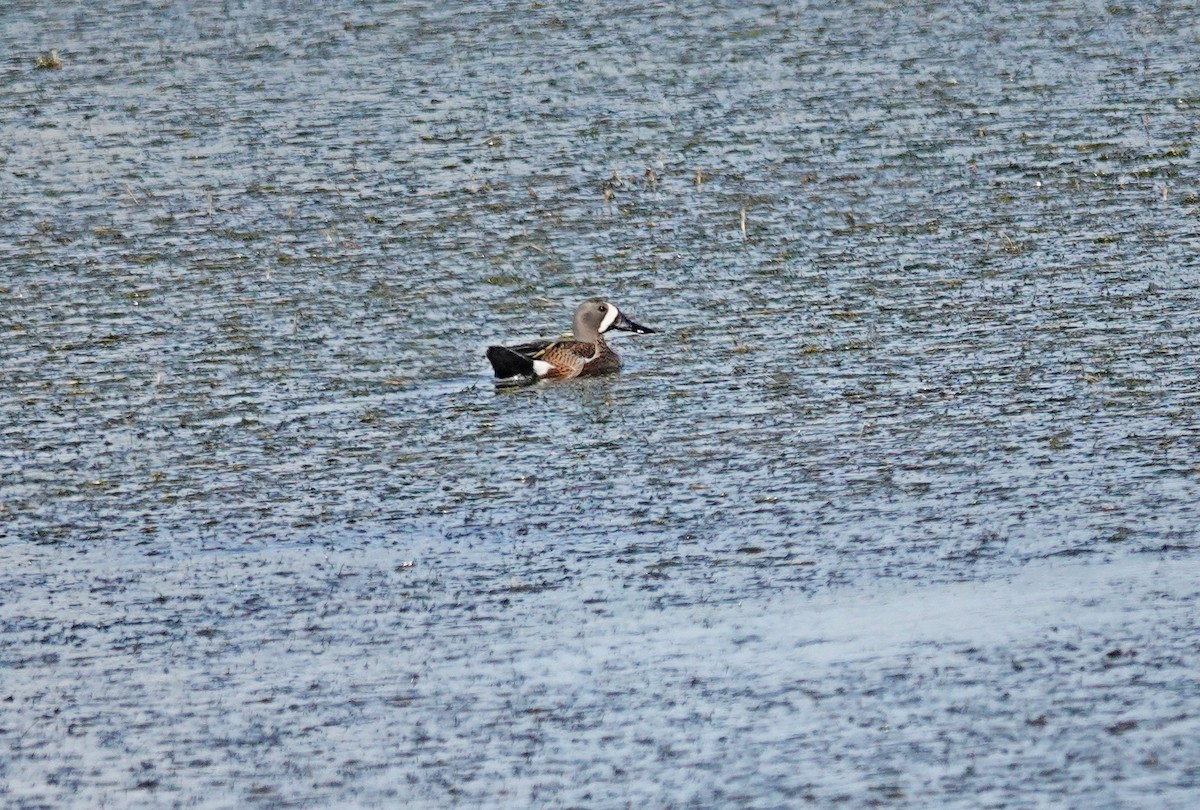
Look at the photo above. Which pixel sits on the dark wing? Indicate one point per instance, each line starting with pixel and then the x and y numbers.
pixel 567 348
pixel 530 349
pixel 567 357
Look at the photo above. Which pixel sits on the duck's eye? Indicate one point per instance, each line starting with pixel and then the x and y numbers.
pixel 603 308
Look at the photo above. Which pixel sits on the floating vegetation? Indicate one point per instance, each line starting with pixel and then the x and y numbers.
pixel 925 323
pixel 48 60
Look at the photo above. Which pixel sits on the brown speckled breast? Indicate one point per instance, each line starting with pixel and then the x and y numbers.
pixel 606 361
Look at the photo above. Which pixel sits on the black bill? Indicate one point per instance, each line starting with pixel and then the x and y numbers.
pixel 629 326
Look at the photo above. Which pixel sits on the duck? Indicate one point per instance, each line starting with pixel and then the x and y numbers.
pixel 584 354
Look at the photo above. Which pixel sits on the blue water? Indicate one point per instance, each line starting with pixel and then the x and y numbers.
pixel 924 280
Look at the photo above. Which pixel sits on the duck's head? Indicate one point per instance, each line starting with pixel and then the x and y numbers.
pixel 596 316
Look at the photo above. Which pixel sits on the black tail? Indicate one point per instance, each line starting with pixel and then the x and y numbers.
pixel 508 363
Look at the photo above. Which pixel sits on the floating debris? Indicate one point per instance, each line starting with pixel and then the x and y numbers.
pixel 48 60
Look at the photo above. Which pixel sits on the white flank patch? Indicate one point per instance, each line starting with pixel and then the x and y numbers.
pixel 542 368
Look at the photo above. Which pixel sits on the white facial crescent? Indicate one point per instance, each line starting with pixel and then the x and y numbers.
pixel 609 317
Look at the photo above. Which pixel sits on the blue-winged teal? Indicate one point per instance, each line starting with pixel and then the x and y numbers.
pixel 585 354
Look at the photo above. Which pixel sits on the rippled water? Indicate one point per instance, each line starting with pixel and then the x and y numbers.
pixel 897 508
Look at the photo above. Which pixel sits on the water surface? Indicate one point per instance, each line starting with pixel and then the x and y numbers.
pixel 897 508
